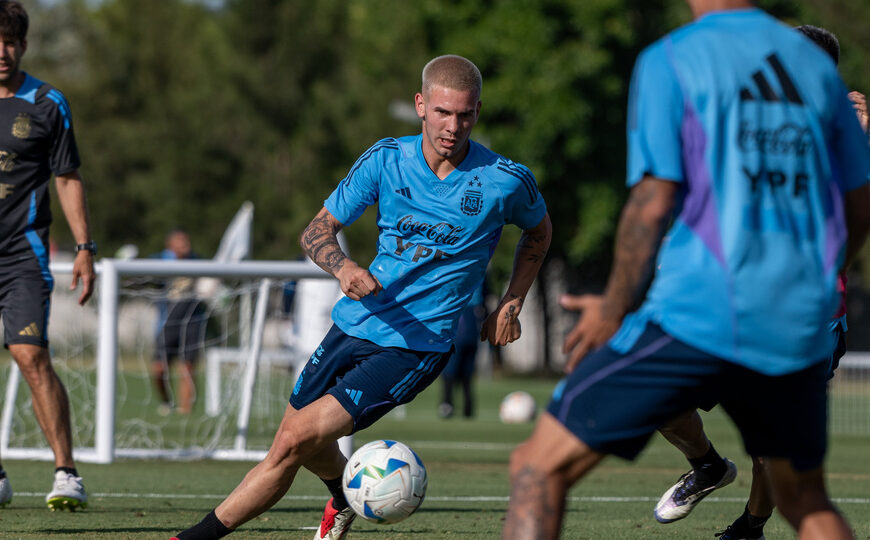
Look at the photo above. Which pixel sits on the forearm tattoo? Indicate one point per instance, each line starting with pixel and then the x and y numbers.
pixel 533 246
pixel 530 511
pixel 321 245
pixel 637 242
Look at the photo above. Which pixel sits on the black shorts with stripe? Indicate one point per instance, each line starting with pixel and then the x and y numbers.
pixel 25 302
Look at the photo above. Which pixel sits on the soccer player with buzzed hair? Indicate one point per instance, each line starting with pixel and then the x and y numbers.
pixel 748 177
pixel 442 202
pixel 36 142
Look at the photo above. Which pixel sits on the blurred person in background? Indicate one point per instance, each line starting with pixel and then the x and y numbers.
pixel 460 368
pixel 709 470
pixel 181 327
pixel 36 142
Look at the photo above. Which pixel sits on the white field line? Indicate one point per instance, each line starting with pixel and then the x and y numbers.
pixel 459 445
pixel 501 499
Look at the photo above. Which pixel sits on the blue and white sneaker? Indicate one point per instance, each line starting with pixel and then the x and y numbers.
pixel 689 490
pixel 68 493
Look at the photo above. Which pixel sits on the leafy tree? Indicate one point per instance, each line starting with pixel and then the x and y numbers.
pixel 154 118
pixel 185 109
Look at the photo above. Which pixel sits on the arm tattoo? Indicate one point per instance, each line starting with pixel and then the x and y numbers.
pixel 321 245
pixel 637 243
pixel 528 258
pixel 533 247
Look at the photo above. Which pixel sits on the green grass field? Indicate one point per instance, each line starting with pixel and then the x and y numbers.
pixel 466 499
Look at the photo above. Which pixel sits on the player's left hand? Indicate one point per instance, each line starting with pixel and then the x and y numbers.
pixel 83 269
pixel 502 325
pixel 592 330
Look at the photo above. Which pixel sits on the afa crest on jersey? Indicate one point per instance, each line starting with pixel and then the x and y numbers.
pixel 472 202
pixel 21 128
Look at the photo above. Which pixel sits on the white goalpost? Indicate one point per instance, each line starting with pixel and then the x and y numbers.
pixel 254 344
pixel 103 352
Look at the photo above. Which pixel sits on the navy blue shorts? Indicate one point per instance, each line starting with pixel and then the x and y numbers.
pixel 367 379
pixel 614 402
pixel 25 302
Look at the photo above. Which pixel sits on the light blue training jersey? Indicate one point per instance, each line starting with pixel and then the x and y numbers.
pixel 436 237
pixel 753 120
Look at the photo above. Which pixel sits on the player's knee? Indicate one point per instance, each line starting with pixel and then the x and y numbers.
pixel 796 506
pixel 801 495
pixel 517 460
pixel 524 471
pixel 34 363
pixel 290 446
pixel 522 459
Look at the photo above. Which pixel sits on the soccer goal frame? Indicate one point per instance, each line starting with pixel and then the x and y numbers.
pixel 107 354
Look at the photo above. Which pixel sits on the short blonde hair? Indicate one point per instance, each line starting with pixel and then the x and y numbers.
pixel 452 71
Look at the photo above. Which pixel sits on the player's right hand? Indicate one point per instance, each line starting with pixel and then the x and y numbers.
pixel 357 282
pixel 83 269
pixel 591 332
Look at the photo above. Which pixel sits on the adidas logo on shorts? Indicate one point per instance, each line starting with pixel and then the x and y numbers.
pixel 30 330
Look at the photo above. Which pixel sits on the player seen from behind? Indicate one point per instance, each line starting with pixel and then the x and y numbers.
pixel 711 471
pixel 742 240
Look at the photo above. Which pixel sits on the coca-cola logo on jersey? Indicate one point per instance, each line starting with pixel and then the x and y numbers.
pixel 789 139
pixel 441 232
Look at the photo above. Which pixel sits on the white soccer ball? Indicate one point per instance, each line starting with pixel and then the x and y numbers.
pixel 517 407
pixel 384 481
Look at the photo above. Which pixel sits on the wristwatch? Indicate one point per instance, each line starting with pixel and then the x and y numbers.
pixel 89 246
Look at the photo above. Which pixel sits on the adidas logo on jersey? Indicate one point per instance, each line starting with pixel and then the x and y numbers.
pixel 766 91
pixel 30 330
pixel 404 192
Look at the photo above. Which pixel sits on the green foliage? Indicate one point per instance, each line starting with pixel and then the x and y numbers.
pixel 186 109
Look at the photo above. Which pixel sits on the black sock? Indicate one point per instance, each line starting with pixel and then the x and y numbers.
pixel 752 521
pixel 710 466
pixel 334 487
pixel 210 528
pixel 68 470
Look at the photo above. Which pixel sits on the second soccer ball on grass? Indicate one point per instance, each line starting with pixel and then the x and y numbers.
pixel 517 407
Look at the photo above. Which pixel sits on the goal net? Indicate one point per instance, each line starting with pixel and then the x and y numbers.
pixel 246 332
pixel 262 321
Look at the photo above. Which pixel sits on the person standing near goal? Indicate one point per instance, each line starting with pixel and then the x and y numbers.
pixel 443 200
pixel 181 324
pixel 36 141
pixel 749 191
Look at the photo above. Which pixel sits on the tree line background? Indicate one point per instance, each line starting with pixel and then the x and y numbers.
pixel 184 109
